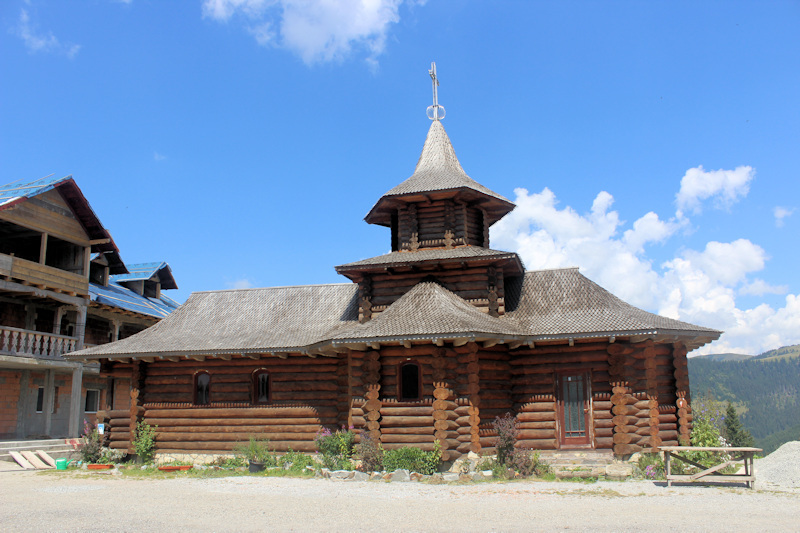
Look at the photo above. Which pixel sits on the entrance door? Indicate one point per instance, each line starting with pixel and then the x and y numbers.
pixel 573 406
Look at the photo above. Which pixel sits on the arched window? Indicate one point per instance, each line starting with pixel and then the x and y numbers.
pixel 409 381
pixel 202 388
pixel 262 390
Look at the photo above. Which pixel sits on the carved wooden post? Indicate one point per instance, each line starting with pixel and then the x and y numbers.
pixel 474 392
pixel 492 286
pixel 365 306
pixel 372 387
pixel 449 224
pixel 443 406
pixel 343 389
pixel 414 226
pixel 623 402
pixel 138 370
pixel 682 392
pixel 653 439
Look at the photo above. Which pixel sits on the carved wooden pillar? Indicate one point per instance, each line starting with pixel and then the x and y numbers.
pixel 343 389
pixel 449 224
pixel 365 304
pixel 683 402
pixel 623 402
pixel 652 439
pixel 444 406
pixel 494 308
pixel 138 370
pixel 372 387
pixel 485 222
pixel 474 392
pixel 414 226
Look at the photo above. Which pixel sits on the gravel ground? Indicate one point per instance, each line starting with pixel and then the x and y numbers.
pixel 79 501
pixel 781 468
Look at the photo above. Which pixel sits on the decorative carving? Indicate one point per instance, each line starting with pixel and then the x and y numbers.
pixel 449 241
pixel 485 222
pixel 365 288
pixel 494 308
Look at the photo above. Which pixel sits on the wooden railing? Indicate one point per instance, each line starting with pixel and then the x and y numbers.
pixel 43 276
pixel 37 343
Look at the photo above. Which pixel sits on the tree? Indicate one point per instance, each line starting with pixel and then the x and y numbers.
pixel 735 433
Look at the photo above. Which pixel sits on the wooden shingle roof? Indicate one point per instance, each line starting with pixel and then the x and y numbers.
pixel 541 305
pixel 438 171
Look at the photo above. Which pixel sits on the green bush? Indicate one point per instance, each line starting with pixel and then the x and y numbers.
pixel 90 448
pixel 144 441
pixel 296 461
pixel 369 453
pixel 336 448
pixel 256 450
pixel 413 459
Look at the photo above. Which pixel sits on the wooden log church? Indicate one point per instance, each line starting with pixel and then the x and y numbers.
pixel 429 342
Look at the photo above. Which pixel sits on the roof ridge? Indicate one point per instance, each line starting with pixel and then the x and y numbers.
pixel 276 287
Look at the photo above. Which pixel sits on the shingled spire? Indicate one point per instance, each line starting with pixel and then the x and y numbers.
pixel 439 176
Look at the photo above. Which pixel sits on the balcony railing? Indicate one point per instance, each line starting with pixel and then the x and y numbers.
pixel 16 341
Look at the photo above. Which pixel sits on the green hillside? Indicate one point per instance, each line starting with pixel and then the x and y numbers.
pixel 765 388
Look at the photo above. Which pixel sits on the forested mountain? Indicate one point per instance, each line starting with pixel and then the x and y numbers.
pixel 766 389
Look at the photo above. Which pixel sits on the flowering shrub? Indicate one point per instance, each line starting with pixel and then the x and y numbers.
pixel 336 448
pixel 369 453
pixel 90 448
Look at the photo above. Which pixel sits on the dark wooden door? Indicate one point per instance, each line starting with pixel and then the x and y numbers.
pixel 573 407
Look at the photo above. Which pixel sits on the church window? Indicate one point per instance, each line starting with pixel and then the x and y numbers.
pixel 409 381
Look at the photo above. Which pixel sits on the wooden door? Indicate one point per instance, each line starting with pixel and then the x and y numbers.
pixel 573 407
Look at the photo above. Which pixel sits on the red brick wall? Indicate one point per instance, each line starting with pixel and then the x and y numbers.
pixel 12 315
pixel 9 400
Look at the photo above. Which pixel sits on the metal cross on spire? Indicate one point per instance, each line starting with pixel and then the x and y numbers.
pixel 435 112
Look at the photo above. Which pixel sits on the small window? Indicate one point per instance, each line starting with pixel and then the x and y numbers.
pixel 202 388
pixel 40 400
pixel 92 401
pixel 409 383
pixel 261 387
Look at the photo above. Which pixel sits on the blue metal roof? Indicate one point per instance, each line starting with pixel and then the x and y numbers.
pixel 146 271
pixel 17 190
pixel 116 295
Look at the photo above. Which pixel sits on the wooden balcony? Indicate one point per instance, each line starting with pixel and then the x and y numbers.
pixel 14 341
pixel 43 276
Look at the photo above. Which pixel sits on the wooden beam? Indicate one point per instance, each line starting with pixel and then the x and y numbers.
pixel 375 345
pixel 491 342
pixel 99 241
pixel 197 357
pixel 254 356
pixel 513 345
pixel 407 343
pixel 224 356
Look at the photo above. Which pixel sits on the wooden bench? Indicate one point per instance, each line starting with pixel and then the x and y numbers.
pixel 745 455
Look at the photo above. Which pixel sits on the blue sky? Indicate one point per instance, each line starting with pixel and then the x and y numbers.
pixel 652 144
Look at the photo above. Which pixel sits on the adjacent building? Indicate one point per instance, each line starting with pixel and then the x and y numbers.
pixel 63 287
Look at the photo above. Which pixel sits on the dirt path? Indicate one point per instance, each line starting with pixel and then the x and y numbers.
pixel 92 502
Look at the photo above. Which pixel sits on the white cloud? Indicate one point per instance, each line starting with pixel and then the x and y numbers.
pixel 158 157
pixel 725 186
pixel 317 30
pixel 242 283
pixel 698 286
pixel 780 214
pixel 36 41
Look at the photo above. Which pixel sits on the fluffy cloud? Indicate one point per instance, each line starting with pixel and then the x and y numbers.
pixel 698 286
pixel 36 41
pixel 724 186
pixel 317 30
pixel 242 283
pixel 781 213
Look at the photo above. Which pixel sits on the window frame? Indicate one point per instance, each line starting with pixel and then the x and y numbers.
pixel 195 391
pixel 400 381
pixel 96 401
pixel 254 377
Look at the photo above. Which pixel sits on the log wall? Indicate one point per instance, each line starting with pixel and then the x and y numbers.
pixel 635 403
pixel 534 381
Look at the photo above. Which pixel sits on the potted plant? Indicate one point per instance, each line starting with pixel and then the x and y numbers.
pixel 257 453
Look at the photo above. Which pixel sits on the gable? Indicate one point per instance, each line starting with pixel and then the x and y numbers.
pixel 49 213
